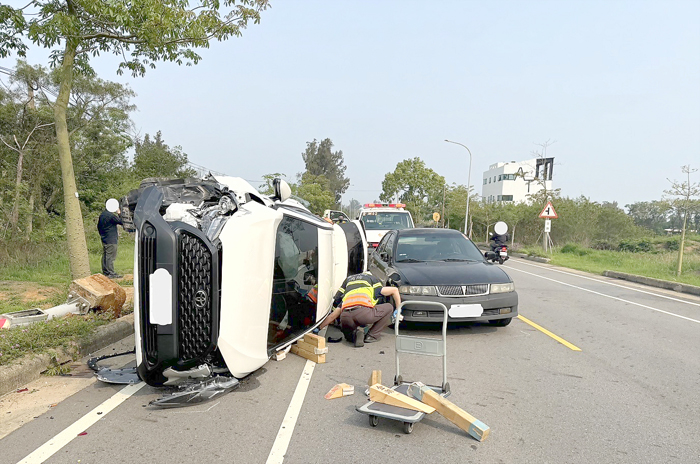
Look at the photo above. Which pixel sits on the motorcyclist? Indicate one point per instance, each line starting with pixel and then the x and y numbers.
pixel 499 236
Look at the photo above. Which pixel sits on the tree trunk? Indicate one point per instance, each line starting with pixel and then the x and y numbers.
pixel 14 216
pixel 77 245
pixel 680 249
pixel 30 216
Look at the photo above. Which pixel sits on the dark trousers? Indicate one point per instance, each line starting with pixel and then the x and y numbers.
pixel 379 316
pixel 109 254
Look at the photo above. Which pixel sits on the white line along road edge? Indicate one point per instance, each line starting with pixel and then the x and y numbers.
pixel 284 436
pixel 54 445
pixel 601 281
pixel 608 296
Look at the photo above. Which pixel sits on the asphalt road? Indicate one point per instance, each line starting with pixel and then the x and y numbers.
pixel 629 394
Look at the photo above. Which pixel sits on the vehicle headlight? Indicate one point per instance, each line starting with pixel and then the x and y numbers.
pixel 427 290
pixel 503 288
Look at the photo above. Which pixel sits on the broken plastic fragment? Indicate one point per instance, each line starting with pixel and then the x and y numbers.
pixel 197 392
pixel 22 390
pixel 127 376
pixel 82 434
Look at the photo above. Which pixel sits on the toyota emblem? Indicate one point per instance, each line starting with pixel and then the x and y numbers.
pixel 200 299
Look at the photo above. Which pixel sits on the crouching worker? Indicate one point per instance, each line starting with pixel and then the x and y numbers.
pixel 356 302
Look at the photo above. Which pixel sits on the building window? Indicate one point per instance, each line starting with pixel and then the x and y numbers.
pixel 508 176
pixel 498 198
pixel 489 180
pixel 485 180
pixel 507 197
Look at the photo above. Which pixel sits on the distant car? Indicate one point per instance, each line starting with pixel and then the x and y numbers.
pixel 379 218
pixel 443 265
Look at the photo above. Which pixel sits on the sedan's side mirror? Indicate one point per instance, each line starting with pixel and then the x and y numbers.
pixel 281 189
pixel 489 255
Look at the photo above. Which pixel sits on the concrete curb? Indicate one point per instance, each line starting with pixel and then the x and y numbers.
pixel 30 367
pixel 667 284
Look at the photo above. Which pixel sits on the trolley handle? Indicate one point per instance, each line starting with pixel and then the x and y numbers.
pixel 422 303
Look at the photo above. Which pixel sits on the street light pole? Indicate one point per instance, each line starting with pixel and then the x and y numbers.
pixel 469 175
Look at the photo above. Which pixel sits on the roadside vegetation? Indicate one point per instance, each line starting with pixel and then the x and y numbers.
pixel 654 257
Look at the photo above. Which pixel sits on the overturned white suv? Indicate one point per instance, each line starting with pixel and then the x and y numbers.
pixel 224 276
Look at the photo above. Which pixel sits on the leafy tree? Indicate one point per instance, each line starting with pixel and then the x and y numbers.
pixel 141 32
pixel 653 215
pixel 320 160
pixel 686 190
pixel 416 185
pixel 153 158
pixel 315 190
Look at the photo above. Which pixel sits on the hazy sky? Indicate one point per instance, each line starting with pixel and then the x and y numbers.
pixel 615 83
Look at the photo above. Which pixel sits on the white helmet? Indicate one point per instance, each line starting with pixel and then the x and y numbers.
pixel 112 205
pixel 500 228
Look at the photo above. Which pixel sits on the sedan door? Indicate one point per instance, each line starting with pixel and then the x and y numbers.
pixel 382 257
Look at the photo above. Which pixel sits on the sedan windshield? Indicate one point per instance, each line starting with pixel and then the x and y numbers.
pixel 437 247
pixel 387 220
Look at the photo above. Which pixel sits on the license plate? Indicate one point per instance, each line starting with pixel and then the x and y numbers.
pixel 466 310
pixel 504 253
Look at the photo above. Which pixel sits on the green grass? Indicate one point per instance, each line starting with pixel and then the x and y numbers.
pixel 37 275
pixel 47 263
pixel 43 337
pixel 658 265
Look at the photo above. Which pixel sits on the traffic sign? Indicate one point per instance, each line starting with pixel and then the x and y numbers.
pixel 547 225
pixel 548 212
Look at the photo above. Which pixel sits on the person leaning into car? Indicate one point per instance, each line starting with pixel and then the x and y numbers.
pixel 357 304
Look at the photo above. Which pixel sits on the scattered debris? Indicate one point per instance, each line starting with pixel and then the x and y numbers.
pixel 197 392
pixel 449 411
pixel 385 395
pixel 340 390
pixel 82 434
pixel 22 390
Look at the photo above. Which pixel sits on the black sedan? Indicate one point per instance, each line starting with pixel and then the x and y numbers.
pixel 443 265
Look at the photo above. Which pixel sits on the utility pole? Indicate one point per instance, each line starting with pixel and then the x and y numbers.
pixel 443 206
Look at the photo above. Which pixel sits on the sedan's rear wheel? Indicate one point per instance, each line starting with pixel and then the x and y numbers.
pixel 501 322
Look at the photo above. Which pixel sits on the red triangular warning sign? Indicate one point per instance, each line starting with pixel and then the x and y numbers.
pixel 548 212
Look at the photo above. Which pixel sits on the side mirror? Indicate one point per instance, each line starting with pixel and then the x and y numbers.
pixel 281 189
pixel 384 256
pixel 490 255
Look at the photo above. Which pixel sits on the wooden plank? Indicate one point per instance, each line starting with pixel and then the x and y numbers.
pixel 381 394
pixel 450 411
pixel 311 348
pixel 340 390
pixel 315 340
pixel 375 378
pixel 317 358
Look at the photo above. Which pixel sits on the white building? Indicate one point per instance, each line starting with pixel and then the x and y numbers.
pixel 512 182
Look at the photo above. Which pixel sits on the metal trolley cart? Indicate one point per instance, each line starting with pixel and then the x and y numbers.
pixel 415 345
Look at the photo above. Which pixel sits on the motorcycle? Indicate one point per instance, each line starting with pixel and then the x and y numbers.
pixel 500 254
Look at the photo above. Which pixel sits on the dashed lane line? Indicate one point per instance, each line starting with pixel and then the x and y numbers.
pixel 54 445
pixel 610 296
pixel 284 435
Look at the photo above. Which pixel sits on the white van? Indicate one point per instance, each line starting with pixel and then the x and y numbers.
pixel 379 218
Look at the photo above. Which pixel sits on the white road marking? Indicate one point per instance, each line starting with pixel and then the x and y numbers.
pixel 284 436
pixel 609 283
pixel 54 445
pixel 609 296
